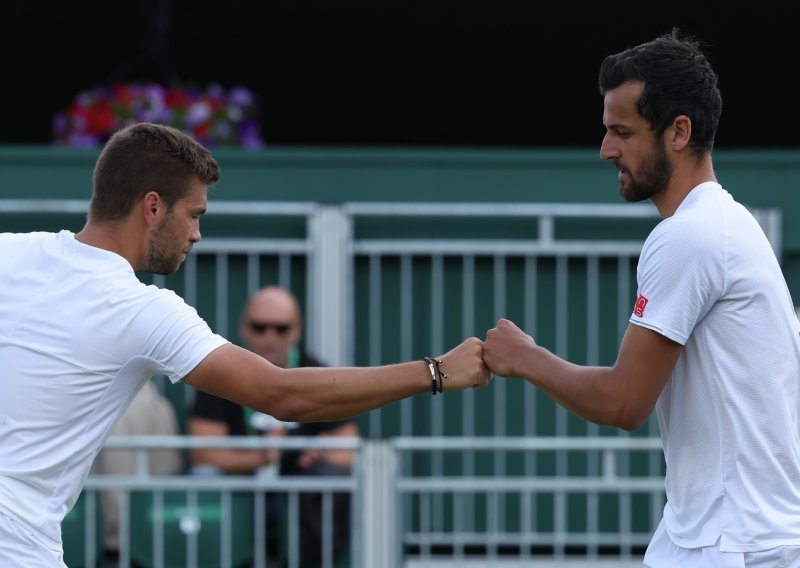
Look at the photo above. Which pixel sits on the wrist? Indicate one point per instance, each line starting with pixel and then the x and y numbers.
pixel 436 375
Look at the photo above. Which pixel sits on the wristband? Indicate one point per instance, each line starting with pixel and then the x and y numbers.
pixel 437 376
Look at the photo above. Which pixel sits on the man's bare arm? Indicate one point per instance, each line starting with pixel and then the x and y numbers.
pixel 623 395
pixel 309 394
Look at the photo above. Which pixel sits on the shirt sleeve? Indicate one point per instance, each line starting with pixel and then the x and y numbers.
pixel 176 336
pixel 681 273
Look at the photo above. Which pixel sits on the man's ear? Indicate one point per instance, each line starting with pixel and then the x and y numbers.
pixel 680 132
pixel 151 206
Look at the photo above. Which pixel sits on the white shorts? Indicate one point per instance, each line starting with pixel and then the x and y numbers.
pixel 21 547
pixel 663 553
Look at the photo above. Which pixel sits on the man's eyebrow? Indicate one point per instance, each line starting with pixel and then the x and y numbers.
pixel 619 128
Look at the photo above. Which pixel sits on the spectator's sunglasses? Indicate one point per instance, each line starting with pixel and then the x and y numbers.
pixel 260 327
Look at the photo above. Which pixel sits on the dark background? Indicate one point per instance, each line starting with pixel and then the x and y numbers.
pixel 516 74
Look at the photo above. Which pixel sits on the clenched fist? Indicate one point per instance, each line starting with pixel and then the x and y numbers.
pixel 464 366
pixel 505 346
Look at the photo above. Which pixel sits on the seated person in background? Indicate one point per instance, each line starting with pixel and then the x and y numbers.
pixel 321 462
pixel 150 414
pixel 271 326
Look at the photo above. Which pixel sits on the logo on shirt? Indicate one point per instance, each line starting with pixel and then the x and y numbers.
pixel 639 306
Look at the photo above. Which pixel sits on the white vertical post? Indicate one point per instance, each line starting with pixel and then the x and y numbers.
pixel 330 286
pixel 379 509
pixel 771 222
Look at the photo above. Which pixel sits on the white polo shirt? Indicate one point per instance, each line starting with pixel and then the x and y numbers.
pixel 79 334
pixel 730 414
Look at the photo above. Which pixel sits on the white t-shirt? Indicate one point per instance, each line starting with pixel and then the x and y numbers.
pixel 730 414
pixel 79 335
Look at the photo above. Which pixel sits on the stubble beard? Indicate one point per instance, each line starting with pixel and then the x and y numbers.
pixel 159 258
pixel 653 177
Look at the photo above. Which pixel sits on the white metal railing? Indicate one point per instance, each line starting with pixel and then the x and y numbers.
pixel 384 533
pixel 225 485
pixel 330 247
pixel 458 529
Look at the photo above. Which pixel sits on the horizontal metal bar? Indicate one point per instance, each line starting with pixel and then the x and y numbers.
pixel 528 443
pixel 530 537
pixel 520 247
pixel 508 484
pixel 449 484
pixel 503 561
pixel 295 208
pixel 44 206
pixel 453 443
pixel 238 442
pixel 280 208
pixel 641 210
pixel 223 483
pixel 246 246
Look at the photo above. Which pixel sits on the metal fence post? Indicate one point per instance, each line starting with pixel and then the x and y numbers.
pixel 771 221
pixel 379 522
pixel 330 285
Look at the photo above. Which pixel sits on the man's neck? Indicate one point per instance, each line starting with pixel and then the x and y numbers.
pixel 110 237
pixel 682 182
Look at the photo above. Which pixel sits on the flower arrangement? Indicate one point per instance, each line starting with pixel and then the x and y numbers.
pixel 214 117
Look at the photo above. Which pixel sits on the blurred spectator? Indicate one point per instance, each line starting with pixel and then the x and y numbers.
pixel 271 326
pixel 149 414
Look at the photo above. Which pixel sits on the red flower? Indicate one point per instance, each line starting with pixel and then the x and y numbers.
pixel 99 119
pixel 200 131
pixel 124 94
pixel 177 99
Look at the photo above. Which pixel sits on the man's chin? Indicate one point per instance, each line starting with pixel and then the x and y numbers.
pixel 626 195
pixel 166 271
pixel 631 196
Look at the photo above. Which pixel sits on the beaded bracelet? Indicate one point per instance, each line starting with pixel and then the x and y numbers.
pixel 437 376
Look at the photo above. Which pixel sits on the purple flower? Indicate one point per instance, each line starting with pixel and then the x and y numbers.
pixel 249 136
pixel 77 140
pixel 216 91
pixel 235 113
pixel 60 122
pixel 241 96
pixel 223 129
pixel 198 113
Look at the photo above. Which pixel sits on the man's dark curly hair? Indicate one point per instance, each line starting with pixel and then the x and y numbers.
pixel 678 80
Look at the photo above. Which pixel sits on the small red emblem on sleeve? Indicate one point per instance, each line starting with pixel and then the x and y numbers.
pixel 639 306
